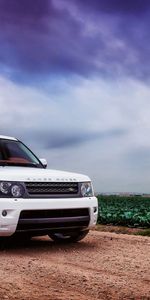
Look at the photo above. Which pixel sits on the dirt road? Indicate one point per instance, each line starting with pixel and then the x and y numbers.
pixel 102 266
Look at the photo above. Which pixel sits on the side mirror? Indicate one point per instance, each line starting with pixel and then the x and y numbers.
pixel 44 162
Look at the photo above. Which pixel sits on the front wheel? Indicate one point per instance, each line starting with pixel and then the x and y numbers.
pixel 68 237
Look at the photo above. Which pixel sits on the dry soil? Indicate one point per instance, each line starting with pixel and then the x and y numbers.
pixel 102 266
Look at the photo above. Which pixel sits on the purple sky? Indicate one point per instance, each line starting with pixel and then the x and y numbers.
pixel 105 38
pixel 75 76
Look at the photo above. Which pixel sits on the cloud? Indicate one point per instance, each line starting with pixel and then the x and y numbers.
pixel 63 139
pixel 45 39
pixel 74 86
pixel 116 6
pixel 23 11
pixel 96 127
pixel 34 38
pixel 139 157
pixel 57 124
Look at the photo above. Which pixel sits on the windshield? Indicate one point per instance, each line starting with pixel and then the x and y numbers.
pixel 15 153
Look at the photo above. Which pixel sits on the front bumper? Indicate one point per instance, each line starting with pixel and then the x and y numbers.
pixel 14 207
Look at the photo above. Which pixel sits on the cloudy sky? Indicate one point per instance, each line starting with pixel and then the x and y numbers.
pixel 74 86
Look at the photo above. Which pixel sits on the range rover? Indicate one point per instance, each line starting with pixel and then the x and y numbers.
pixel 38 201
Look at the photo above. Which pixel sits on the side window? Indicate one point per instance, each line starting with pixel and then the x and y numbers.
pixel 13 150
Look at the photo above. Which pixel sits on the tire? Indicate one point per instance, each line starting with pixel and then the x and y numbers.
pixel 3 241
pixel 60 237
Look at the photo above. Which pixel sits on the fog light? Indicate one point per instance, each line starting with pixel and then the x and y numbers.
pixel 4 213
pixel 95 209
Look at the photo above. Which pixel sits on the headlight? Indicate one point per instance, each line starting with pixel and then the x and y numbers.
pixel 11 189
pixel 17 190
pixel 87 189
pixel 5 187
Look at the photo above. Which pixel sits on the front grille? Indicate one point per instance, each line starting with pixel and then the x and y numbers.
pixel 56 219
pixel 52 188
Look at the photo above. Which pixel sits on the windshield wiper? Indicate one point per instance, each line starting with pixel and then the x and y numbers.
pixel 15 164
pixel 32 165
pixel 3 164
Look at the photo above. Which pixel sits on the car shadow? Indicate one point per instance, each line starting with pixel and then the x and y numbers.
pixel 18 244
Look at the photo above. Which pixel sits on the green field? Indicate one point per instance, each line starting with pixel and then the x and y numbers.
pixel 121 210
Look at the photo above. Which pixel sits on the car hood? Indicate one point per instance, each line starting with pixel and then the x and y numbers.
pixel 10 173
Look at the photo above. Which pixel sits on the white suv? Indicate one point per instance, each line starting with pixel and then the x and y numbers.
pixel 38 201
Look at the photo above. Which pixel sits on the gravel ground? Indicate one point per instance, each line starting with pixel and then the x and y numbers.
pixel 102 266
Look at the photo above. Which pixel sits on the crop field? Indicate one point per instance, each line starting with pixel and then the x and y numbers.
pixel 121 210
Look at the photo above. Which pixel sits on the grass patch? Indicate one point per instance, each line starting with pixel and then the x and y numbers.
pixel 144 232
pixel 122 230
